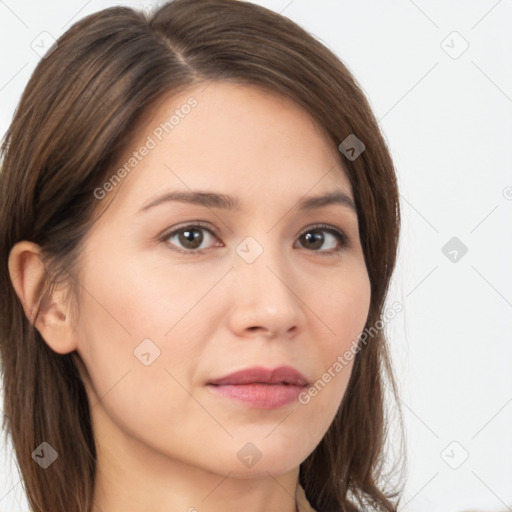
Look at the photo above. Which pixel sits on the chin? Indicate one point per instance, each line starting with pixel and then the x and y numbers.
pixel 260 459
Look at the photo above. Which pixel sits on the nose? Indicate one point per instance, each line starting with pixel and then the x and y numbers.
pixel 264 296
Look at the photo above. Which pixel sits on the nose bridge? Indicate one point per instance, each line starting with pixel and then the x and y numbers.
pixel 261 261
pixel 263 293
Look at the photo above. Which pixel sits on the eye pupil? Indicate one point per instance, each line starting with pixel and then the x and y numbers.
pixel 316 238
pixel 191 236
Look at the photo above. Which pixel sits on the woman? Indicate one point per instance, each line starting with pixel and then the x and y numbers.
pixel 199 223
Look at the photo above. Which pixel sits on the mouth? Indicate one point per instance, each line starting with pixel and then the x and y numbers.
pixel 260 387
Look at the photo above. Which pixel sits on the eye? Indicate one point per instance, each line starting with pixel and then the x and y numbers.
pixel 313 238
pixel 189 239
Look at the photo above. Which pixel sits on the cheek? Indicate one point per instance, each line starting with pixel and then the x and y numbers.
pixel 123 319
pixel 139 324
pixel 131 299
pixel 136 349
pixel 343 310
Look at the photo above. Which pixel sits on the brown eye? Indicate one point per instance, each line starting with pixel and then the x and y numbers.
pixel 188 239
pixel 191 238
pixel 314 238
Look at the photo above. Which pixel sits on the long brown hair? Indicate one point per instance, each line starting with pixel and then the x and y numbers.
pixel 75 118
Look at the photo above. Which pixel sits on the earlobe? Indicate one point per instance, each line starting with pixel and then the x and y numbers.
pixel 28 277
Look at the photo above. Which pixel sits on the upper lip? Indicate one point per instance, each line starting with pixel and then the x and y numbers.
pixel 259 374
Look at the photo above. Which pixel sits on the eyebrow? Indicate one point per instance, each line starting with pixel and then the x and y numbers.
pixel 223 201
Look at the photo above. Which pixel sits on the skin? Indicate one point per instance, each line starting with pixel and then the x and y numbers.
pixel 165 440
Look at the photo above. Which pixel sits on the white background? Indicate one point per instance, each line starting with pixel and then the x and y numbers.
pixel 448 123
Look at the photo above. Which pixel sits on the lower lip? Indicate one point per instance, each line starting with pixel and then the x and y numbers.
pixel 262 396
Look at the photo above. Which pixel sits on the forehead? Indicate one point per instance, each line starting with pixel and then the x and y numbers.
pixel 234 138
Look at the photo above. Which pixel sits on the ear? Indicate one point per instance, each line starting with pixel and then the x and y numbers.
pixel 28 277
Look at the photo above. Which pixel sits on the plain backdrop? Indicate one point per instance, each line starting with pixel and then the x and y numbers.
pixel 439 78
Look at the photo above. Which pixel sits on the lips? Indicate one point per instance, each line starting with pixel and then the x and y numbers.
pixel 259 375
pixel 261 388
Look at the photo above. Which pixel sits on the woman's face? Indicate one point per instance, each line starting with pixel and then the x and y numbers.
pixel 158 322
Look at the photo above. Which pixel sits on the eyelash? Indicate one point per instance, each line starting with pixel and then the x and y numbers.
pixel 338 234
